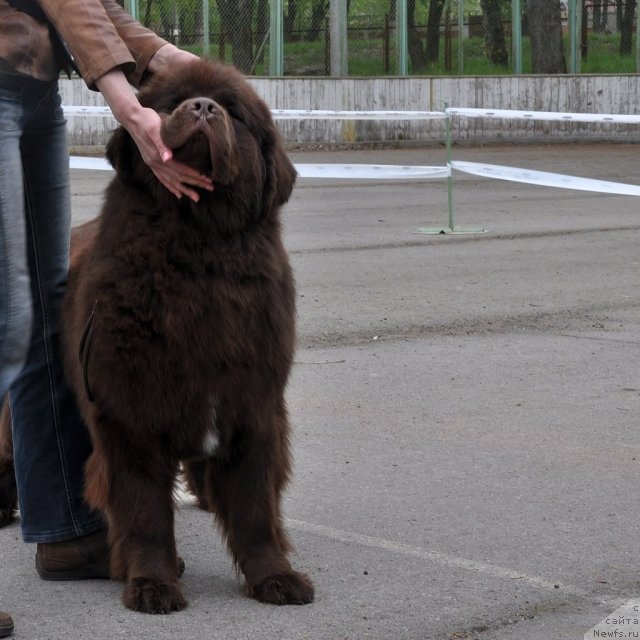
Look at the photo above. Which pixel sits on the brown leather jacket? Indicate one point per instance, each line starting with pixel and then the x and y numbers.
pixel 99 34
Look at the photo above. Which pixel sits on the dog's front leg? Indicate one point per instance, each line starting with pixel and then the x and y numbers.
pixel 139 506
pixel 244 492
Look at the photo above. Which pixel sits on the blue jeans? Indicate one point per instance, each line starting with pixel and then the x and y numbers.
pixel 51 443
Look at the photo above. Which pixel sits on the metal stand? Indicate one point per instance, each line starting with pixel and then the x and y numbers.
pixel 451 229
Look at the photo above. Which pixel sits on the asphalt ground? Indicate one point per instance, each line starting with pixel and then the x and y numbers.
pixel 465 411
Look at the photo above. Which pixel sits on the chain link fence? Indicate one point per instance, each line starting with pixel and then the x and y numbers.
pixel 434 37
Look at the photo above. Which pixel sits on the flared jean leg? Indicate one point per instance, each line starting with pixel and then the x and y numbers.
pixel 15 296
pixel 51 443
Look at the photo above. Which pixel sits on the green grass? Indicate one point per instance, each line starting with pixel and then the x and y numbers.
pixel 603 55
pixel 366 58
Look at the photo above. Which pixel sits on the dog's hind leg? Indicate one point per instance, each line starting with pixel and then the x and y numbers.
pixel 244 492
pixel 8 491
pixel 193 473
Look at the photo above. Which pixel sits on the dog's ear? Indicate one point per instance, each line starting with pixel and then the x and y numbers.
pixel 280 173
pixel 123 155
pixel 119 152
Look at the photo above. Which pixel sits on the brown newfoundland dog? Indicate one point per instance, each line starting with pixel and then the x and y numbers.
pixel 179 337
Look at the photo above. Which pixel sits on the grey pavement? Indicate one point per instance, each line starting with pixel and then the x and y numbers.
pixel 466 414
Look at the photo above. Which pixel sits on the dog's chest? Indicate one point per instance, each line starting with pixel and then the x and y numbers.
pixel 184 335
pixel 216 316
pixel 186 325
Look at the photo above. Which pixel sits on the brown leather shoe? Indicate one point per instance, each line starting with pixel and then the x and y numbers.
pixel 77 559
pixel 6 625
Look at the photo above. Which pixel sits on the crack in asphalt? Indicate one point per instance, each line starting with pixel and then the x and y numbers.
pixel 564 323
pixel 439 239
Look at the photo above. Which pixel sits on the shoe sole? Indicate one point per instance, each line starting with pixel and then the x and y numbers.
pixel 86 572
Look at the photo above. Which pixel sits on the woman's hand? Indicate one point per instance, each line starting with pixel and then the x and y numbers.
pixel 143 125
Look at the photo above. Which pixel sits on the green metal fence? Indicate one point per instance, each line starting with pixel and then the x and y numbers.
pixel 403 37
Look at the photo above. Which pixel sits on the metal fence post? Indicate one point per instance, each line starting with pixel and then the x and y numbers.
pixel 276 36
pixel 132 8
pixel 638 39
pixel 575 32
pixel 205 28
pixel 402 37
pixel 450 177
pixel 516 36
pixel 338 37
pixel 452 228
pixel 460 37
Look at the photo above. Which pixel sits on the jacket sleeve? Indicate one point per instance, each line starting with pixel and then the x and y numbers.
pixel 141 42
pixel 101 37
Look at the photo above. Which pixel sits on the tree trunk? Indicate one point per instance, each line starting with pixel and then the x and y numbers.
pixel 619 8
pixel 417 53
pixel 584 36
pixel 436 7
pixel 600 15
pixel 236 18
pixel 494 41
pixel 597 15
pixel 146 21
pixel 289 20
pixel 318 16
pixel 545 31
pixel 626 26
pixel 422 55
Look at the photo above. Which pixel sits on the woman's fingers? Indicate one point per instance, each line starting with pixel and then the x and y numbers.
pixel 180 178
pixel 177 177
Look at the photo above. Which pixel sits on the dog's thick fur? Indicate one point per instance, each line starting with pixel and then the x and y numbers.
pixel 179 337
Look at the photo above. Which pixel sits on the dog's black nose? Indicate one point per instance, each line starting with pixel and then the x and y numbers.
pixel 201 107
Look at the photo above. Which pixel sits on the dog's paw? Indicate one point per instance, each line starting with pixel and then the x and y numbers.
pixel 288 588
pixel 152 596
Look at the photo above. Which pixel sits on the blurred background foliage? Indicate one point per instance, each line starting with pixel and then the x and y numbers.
pixel 444 37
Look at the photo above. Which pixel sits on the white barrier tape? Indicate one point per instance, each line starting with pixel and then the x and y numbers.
pixel 98 112
pixel 301 114
pixel 396 172
pixel 543 178
pixel 294 114
pixel 550 116
pixel 370 171
pixel 339 171
pixel 508 114
pixel 94 164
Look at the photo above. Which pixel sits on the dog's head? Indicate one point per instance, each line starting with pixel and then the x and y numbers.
pixel 202 135
pixel 214 121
